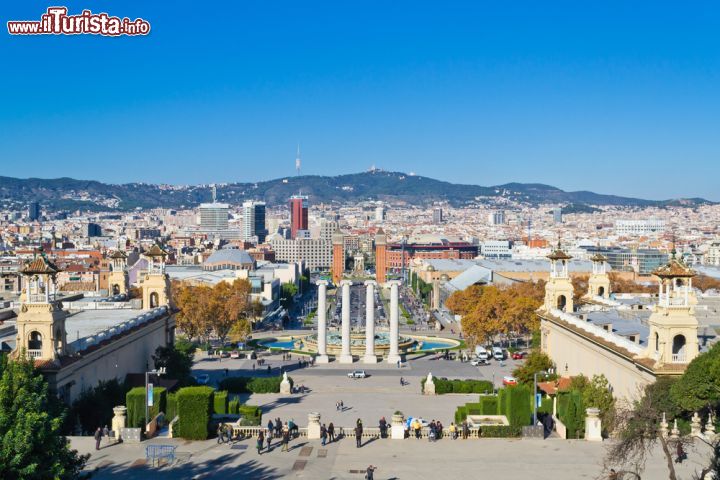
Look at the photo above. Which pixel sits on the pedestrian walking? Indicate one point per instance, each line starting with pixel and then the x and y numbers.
pixel 323 434
pixel 383 428
pixel 342 406
pixel 260 442
pixel 465 430
pixel 285 441
pixel 402 382
pixel 331 432
pixel 269 440
pixel 369 473
pixel 270 427
pixel 106 434
pixel 98 438
pixel 337 406
pixel 358 434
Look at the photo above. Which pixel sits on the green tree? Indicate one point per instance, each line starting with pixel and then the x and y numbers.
pixel 535 362
pixel 289 290
pixel 176 359
pixel 699 386
pixel 31 443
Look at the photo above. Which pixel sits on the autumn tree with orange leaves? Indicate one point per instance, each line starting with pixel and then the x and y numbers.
pixel 490 310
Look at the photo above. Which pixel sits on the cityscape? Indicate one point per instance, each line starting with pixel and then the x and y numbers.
pixel 218 298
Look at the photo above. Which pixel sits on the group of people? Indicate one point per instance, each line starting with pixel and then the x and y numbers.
pixel 327 433
pixel 340 406
pixel 284 431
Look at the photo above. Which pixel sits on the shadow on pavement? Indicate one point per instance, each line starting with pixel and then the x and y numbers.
pixel 216 468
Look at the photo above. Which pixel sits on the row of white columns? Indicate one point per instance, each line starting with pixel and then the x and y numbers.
pixel 345 353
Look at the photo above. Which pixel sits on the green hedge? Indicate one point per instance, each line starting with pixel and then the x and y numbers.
pixel 546 405
pixel 572 413
pixel 500 431
pixel 195 406
pixel 253 384
pixel 489 405
pixel 233 407
pixel 171 406
pixel 135 402
pixel 518 405
pixel 220 402
pixel 443 385
pixel 251 415
pixel 460 415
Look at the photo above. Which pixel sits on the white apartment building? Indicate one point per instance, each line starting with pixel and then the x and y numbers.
pixel 315 252
pixel 496 249
pixel 651 226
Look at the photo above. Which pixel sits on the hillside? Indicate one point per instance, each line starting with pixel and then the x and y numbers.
pixel 396 187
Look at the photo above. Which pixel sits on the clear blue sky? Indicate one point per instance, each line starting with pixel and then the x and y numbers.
pixel 615 97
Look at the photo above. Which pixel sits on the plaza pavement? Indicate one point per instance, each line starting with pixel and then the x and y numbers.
pixel 368 399
pixel 506 459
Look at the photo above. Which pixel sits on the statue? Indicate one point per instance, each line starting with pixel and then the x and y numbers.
pixel 429 388
pixel 429 378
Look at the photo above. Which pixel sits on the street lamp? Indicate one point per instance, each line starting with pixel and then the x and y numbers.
pixel 544 373
pixel 147 394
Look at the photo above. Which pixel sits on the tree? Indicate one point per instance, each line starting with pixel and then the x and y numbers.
pixel 596 393
pixel 580 287
pixel 620 285
pixel 699 386
pixel 194 305
pixel 535 362
pixel 289 290
pixel 231 307
pixel 31 419
pixel 176 359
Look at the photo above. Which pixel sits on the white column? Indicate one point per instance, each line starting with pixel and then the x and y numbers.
pixel 345 355
pixel 394 355
pixel 322 323
pixel 370 356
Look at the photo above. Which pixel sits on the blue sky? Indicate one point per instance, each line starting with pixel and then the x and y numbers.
pixel 614 97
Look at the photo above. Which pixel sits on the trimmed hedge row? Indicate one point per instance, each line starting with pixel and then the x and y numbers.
pixel 253 384
pixel 500 431
pixel 194 406
pixel 135 402
pixel 251 415
pixel 513 402
pixel 220 402
pixel 572 413
pixel 171 406
pixel 443 385
pixel 233 407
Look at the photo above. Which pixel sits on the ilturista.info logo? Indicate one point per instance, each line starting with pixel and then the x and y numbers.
pixel 56 21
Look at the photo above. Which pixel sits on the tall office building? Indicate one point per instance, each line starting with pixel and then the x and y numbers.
pixel 94 230
pixel 379 214
pixel 33 211
pixel 557 214
pixel 254 221
pixel 298 214
pixel 437 215
pixel 496 218
pixel 214 216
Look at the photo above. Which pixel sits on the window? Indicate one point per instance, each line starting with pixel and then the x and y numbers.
pixel 35 341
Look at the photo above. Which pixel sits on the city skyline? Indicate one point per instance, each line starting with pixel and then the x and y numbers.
pixel 610 98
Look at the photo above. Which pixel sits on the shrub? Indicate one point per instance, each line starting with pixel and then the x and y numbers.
pixel 220 402
pixel 171 406
pixel 194 405
pixel 474 408
pixel 518 405
pixel 233 407
pixel 443 385
pixel 546 406
pixel 94 407
pixel 253 384
pixel 572 413
pixel 251 414
pixel 460 415
pixel 135 402
pixel 489 405
pixel 500 431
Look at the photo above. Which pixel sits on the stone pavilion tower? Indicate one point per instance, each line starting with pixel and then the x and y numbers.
pixel 559 289
pixel 40 321
pixel 599 281
pixel 155 284
pixel 118 278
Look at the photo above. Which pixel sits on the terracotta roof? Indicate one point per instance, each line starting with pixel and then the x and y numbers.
pixel 40 264
pixel 155 251
pixel 675 268
pixel 118 254
pixel 559 255
pixel 552 387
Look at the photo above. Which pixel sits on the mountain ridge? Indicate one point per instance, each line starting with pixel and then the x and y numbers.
pixel 66 193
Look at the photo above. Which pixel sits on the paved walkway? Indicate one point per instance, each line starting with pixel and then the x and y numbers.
pixel 396 459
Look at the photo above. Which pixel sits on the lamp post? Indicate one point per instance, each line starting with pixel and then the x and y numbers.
pixel 544 373
pixel 147 394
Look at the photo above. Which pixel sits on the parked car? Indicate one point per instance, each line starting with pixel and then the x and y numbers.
pixel 479 361
pixel 509 381
pixel 482 354
pixel 519 355
pixel 203 379
pixel 234 354
pixel 357 374
pixel 224 354
pixel 498 354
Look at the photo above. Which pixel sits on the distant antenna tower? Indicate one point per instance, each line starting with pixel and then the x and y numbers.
pixel 297 161
pixel 214 192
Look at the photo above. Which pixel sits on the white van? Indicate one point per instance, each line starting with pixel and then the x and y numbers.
pixel 498 354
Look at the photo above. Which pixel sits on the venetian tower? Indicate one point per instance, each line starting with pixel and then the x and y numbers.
pixel 338 257
pixel 599 281
pixel 40 321
pixel 673 336
pixel 380 257
pixel 559 289
pixel 155 283
pixel 118 278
